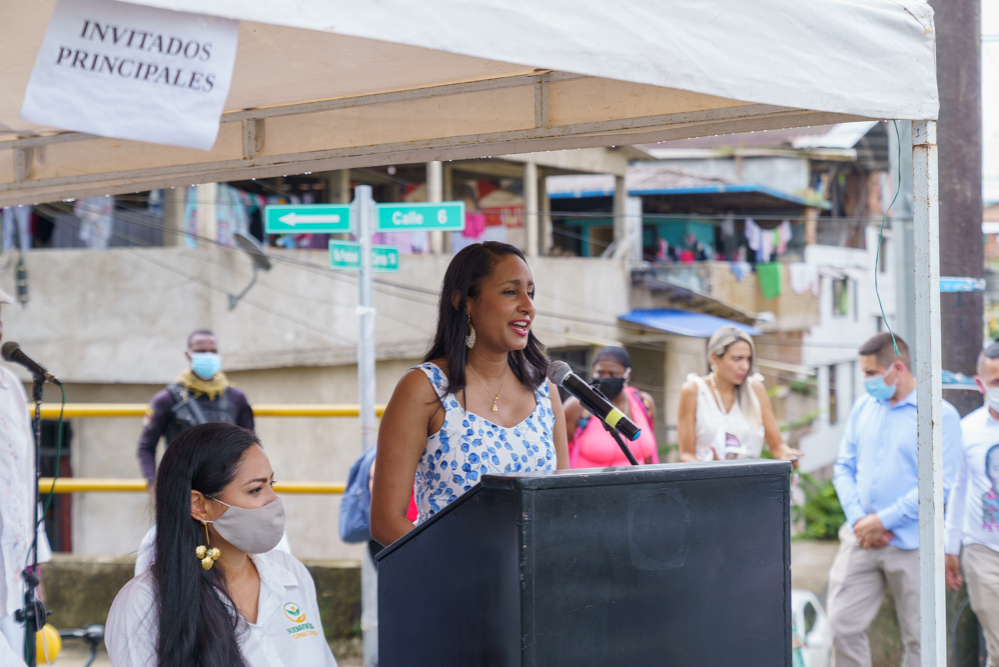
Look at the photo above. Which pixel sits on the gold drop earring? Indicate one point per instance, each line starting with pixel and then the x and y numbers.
pixel 207 555
pixel 470 339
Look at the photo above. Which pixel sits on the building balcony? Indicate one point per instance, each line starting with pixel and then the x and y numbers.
pixel 732 290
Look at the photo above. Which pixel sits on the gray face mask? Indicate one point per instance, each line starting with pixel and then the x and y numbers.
pixel 253 531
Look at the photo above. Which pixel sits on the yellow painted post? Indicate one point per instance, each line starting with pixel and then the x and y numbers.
pixel 86 410
pixel 87 485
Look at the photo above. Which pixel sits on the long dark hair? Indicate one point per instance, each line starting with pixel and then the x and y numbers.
pixel 198 624
pixel 464 277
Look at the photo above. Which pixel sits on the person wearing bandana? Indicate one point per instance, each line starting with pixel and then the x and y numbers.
pixel 591 446
pixel 201 394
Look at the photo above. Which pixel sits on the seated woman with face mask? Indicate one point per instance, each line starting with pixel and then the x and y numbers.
pixel 216 594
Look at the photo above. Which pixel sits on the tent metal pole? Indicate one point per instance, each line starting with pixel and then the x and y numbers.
pixel 364 212
pixel 435 193
pixel 926 252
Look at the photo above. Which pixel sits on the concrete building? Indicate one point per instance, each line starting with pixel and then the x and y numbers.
pixel 112 326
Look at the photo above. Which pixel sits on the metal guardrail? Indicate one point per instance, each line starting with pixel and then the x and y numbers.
pixel 85 485
pixel 87 410
pixel 84 410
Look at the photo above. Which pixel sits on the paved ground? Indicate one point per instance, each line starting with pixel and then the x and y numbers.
pixel 810 562
pixel 73 656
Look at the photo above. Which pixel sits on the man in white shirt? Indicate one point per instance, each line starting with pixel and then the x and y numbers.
pixel 17 480
pixel 973 507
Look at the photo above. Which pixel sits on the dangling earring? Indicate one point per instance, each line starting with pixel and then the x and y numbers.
pixel 205 555
pixel 714 368
pixel 470 339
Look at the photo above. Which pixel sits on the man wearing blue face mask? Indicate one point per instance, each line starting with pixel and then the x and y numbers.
pixel 877 483
pixel 202 393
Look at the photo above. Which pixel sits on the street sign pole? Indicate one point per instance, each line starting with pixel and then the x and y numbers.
pixel 363 211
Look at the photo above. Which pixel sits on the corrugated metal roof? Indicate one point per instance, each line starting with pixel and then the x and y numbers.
pixel 683 322
pixel 643 176
pixel 781 138
pixel 653 178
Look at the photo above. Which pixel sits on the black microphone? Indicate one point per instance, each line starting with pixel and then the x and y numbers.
pixel 560 373
pixel 13 353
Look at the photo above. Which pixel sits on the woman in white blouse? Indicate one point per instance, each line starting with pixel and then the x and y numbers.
pixel 727 414
pixel 216 594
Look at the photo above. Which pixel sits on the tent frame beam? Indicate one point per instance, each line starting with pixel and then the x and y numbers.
pixel 540 81
pixel 929 402
pixel 579 135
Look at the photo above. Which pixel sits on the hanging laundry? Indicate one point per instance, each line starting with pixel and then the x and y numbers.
pixel 475 225
pixel 770 279
pixel 766 247
pixel 728 226
pixel 154 204
pixel 753 234
pixel 191 217
pixel 740 269
pixel 231 215
pixel 784 234
pixel 16 228
pixel 96 216
pixel 421 243
pixel 802 278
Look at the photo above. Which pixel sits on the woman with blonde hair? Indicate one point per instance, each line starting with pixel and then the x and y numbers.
pixel 727 414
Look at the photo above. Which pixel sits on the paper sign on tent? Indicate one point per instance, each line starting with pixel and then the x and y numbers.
pixel 132 72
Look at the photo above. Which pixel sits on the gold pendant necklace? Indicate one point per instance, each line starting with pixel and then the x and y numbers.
pixel 496 397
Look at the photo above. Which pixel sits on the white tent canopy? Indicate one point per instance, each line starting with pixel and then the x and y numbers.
pixel 322 84
pixel 329 84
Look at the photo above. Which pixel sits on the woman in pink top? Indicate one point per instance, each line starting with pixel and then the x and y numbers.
pixel 590 446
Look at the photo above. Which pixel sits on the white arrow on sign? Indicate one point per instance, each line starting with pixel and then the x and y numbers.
pixel 294 218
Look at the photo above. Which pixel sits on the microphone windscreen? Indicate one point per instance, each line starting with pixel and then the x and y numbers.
pixel 558 371
pixel 8 350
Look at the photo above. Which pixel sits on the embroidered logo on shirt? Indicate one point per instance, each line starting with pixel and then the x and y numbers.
pixel 302 629
pixel 294 613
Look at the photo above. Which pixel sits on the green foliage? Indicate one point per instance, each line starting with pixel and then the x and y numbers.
pixel 803 420
pixel 821 512
pixel 807 387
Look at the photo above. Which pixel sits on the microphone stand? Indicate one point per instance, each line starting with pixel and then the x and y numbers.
pixel 33 613
pixel 614 432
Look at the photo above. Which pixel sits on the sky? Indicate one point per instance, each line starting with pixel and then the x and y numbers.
pixel 990 101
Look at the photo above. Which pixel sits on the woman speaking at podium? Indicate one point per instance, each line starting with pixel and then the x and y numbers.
pixel 479 404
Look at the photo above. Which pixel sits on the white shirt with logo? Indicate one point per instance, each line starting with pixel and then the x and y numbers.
pixel 973 506
pixel 17 478
pixel 288 631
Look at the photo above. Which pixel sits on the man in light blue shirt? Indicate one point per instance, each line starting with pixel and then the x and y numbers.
pixel 876 479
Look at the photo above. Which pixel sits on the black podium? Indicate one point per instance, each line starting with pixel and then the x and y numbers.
pixel 675 564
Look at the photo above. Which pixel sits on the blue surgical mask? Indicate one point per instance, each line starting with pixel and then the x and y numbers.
pixel 205 364
pixel 992 396
pixel 878 388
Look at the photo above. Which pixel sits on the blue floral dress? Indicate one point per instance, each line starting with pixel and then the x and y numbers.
pixel 468 446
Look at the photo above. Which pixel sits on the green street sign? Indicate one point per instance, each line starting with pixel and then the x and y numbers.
pixel 436 217
pixel 346 256
pixel 384 258
pixel 307 219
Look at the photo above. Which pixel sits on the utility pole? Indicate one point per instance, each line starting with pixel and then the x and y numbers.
pixel 959 136
pixel 363 212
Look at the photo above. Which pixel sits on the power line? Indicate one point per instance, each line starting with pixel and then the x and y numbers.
pixel 383 283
